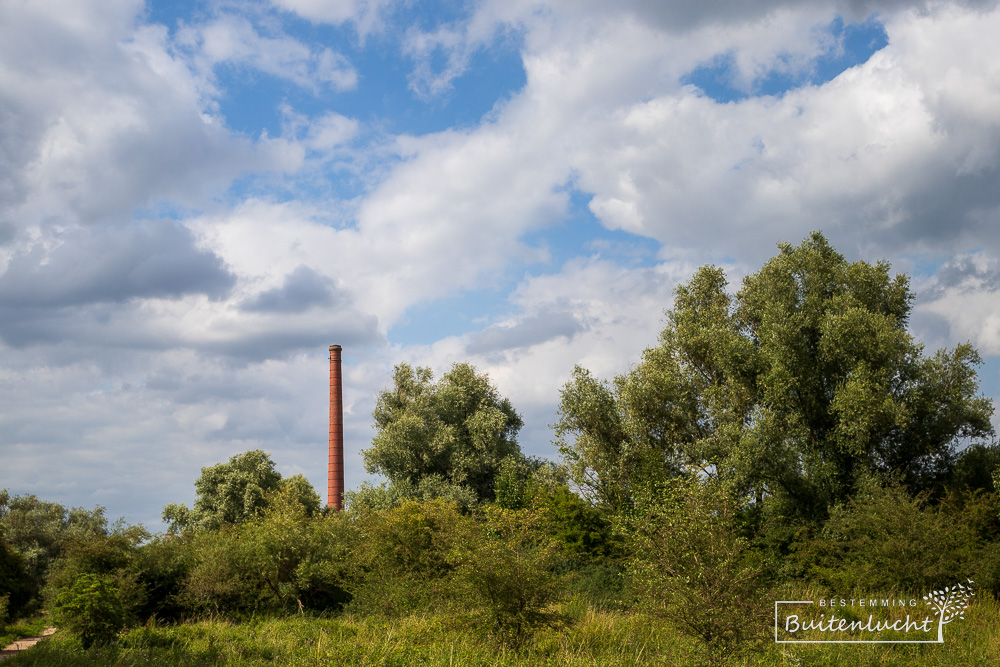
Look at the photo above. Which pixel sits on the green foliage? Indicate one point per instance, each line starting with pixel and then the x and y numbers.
pixel 109 557
pixel 161 567
pixel 691 563
pixel 508 573
pixel 592 439
pixel 92 609
pixel 15 588
pixel 794 390
pixel 885 539
pixel 234 492
pixel 406 557
pixel 217 581
pixel 512 484
pixel 302 492
pixel 36 532
pixel 595 639
pixel 458 428
pixel 975 467
pixel 369 498
pixel 296 558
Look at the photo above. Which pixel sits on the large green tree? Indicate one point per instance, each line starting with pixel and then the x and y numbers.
pixel 38 532
pixel 456 430
pixel 793 390
pixel 236 491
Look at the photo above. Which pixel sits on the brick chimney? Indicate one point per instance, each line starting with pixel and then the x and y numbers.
pixel 335 484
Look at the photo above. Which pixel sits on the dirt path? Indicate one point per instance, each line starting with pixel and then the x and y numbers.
pixel 22 644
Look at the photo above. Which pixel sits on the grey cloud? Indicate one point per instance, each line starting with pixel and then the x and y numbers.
pixel 350 328
pixel 108 264
pixel 98 117
pixel 529 331
pixel 952 208
pixel 7 233
pixel 970 272
pixel 686 15
pixel 303 289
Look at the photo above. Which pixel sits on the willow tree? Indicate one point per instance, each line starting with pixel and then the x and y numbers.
pixel 794 389
pixel 236 491
pixel 453 432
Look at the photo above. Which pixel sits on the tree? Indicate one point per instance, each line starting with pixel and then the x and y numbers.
pixel 459 429
pixel 691 564
pixel 92 609
pixel 38 532
pixel 294 556
pixel 234 492
pixel 793 390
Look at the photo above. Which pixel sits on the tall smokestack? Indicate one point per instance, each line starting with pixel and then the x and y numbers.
pixel 335 487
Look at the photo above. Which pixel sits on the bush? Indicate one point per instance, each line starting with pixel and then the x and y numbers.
pixel 91 609
pixel 218 581
pixel 368 498
pixel 162 566
pixel 16 589
pixel 296 558
pixel 110 556
pixel 508 573
pixel 884 539
pixel 405 558
pixel 691 564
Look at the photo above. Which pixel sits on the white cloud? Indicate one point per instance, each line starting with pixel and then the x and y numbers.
pixel 178 370
pixel 235 41
pixel 365 15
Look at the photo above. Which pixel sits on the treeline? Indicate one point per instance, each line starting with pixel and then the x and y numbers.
pixel 790 436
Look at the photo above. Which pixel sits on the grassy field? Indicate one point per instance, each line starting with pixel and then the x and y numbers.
pixel 588 638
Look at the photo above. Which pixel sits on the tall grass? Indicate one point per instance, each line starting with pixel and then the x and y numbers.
pixel 591 637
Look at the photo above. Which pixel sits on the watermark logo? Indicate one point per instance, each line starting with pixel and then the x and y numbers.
pixel 889 620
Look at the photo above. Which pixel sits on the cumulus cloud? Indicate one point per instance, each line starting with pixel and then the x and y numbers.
pixel 169 287
pixel 303 289
pixel 365 15
pixel 100 118
pixel 235 41
pixel 961 302
pixel 110 263
pixel 528 331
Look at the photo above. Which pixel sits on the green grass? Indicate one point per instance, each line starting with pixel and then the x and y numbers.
pixel 28 627
pixel 588 638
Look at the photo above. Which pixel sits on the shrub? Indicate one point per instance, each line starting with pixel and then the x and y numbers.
pixel 110 556
pixel 16 589
pixel 885 539
pixel 91 609
pixel 405 558
pixel 508 574
pixel 294 557
pixel 368 498
pixel 218 581
pixel 161 567
pixel 691 564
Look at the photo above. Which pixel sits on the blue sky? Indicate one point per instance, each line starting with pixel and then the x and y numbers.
pixel 198 198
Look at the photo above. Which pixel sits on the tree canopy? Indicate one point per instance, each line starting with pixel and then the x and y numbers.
pixel 235 491
pixel 456 430
pixel 793 390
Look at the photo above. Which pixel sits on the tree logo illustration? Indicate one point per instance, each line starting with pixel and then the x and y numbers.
pixel 950 603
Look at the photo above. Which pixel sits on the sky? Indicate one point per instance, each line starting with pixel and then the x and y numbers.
pixel 198 198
